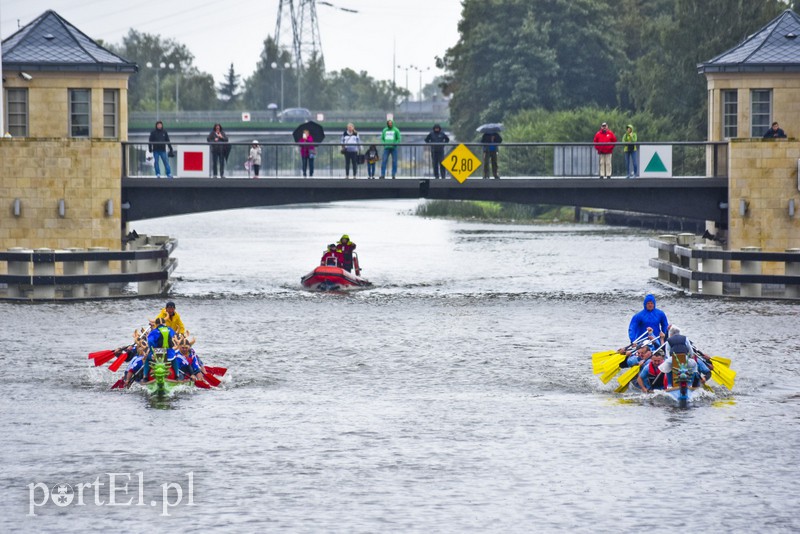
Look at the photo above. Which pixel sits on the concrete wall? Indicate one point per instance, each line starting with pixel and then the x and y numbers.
pixel 48 100
pixel 39 172
pixel 764 174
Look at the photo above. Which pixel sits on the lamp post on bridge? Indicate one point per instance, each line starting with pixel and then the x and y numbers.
pixel 158 68
pixel 419 96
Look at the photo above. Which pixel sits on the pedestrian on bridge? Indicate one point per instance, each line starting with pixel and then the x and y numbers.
pixel 351 146
pixel 631 151
pixel 490 141
pixel 604 150
pixel 158 142
pixel 255 157
pixel 219 149
pixel 390 137
pixel 438 137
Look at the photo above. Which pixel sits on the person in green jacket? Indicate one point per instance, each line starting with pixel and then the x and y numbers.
pixel 390 137
pixel 631 152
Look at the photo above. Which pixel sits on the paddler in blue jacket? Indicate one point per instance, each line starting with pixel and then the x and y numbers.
pixel 649 317
pixel 161 337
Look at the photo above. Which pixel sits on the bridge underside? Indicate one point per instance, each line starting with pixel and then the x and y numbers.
pixel 702 199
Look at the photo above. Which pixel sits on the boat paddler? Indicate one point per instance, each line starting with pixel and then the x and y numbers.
pixel 171 318
pixel 161 337
pixel 649 317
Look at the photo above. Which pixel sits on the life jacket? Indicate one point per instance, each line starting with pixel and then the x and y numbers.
pixel 652 376
pixel 332 258
pixel 678 344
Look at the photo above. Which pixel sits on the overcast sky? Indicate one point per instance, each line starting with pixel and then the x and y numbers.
pixel 219 32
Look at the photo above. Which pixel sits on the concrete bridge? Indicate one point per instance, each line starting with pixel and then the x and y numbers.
pixel 703 199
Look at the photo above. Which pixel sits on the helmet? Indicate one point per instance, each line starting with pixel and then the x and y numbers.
pixel 345 236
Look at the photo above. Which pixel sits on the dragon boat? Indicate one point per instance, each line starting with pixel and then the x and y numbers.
pixel 334 278
pixel 161 380
pixel 606 364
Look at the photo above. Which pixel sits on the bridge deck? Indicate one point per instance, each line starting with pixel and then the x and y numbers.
pixel 690 198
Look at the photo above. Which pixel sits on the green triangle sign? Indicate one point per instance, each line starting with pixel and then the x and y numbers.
pixel 655 165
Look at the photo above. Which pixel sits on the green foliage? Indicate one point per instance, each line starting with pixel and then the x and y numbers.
pixel 638 56
pixel 493 211
pixel 522 54
pixel 195 89
pixel 578 125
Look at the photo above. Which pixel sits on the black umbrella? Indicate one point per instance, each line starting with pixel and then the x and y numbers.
pixel 316 131
pixel 492 127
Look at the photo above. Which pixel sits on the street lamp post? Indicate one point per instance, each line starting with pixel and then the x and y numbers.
pixel 158 68
pixel 283 68
pixel 406 68
pixel 419 96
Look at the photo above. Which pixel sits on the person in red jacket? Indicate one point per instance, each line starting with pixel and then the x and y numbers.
pixel 604 150
pixel 332 257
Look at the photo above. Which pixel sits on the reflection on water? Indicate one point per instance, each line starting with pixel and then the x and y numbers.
pixel 456 395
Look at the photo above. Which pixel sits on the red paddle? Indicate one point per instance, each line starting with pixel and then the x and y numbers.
pixel 202 385
pixel 100 360
pixel 93 355
pixel 119 384
pixel 213 380
pixel 218 371
pixel 118 362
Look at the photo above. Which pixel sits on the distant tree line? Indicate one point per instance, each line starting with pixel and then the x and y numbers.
pixel 519 60
pixel 340 90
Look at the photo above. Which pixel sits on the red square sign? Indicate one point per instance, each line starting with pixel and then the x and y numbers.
pixel 193 161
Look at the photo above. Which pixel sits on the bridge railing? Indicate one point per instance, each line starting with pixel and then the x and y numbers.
pixel 515 160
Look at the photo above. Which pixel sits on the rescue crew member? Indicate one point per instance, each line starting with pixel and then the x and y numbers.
pixel 332 256
pixel 346 247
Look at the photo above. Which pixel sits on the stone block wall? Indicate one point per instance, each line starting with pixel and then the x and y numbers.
pixel 764 174
pixel 40 172
pixel 48 101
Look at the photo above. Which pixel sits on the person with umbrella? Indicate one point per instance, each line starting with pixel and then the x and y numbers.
pixel 306 135
pixel 490 139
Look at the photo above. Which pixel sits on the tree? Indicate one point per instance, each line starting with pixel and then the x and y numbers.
pixel 521 54
pixel 263 87
pixel 196 88
pixel 664 79
pixel 229 89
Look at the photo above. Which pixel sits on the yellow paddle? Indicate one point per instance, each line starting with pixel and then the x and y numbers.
pixel 626 377
pixel 719 359
pixel 600 360
pixel 612 362
pixel 611 371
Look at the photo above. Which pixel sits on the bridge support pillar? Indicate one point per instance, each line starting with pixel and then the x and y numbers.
pixel 149 265
pixel 712 266
pixel 688 240
pixel 75 268
pixel 18 268
pixel 44 292
pixel 98 267
pixel 668 256
pixel 793 269
pixel 751 267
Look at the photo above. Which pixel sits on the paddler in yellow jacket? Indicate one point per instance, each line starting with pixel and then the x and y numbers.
pixel 171 318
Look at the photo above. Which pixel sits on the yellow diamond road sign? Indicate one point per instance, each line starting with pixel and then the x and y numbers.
pixel 461 163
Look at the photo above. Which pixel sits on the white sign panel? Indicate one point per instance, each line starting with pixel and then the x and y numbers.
pixel 655 161
pixel 193 162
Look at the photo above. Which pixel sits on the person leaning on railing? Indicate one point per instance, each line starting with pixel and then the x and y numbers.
pixel 774 132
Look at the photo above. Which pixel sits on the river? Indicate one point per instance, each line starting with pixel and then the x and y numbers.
pixel 454 396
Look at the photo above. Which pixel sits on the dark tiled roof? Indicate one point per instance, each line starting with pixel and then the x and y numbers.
pixel 51 43
pixel 774 48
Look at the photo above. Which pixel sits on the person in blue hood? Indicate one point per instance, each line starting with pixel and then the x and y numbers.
pixel 649 317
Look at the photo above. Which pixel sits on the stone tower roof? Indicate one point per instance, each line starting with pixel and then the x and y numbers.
pixel 774 48
pixel 50 43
